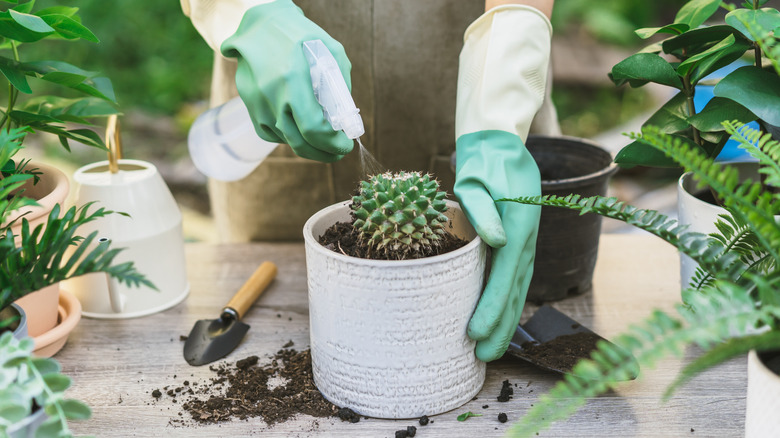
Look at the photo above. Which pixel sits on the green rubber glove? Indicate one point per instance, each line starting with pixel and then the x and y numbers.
pixel 274 82
pixel 493 165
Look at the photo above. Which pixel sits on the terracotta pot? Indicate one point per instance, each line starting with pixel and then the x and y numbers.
pixel 41 308
pixel 388 337
pixel 567 245
pixel 763 395
pixel 52 189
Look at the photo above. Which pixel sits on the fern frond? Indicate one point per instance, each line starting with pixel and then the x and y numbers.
pixel 727 311
pixel 736 238
pixel 760 146
pixel 746 201
pixel 708 253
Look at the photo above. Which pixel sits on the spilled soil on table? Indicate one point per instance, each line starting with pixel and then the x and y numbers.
pixel 275 392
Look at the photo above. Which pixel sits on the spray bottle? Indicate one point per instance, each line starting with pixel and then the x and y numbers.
pixel 223 143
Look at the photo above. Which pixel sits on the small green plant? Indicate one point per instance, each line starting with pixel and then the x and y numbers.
pixel 684 59
pixel 466 415
pixel 733 305
pixel 30 383
pixel 400 213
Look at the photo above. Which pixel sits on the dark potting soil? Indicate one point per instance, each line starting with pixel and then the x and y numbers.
pixel 242 391
pixel 343 238
pixel 506 392
pixel 563 352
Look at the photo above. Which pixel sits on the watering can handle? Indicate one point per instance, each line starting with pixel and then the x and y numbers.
pixel 113 143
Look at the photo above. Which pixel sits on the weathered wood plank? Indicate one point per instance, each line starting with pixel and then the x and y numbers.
pixel 116 364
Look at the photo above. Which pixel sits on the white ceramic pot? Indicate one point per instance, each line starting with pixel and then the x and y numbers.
pixel 701 216
pixel 388 338
pixel 763 400
pixel 151 234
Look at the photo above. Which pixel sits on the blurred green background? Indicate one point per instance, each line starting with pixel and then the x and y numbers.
pixel 161 70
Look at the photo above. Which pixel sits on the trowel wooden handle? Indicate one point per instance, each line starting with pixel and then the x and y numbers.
pixel 252 289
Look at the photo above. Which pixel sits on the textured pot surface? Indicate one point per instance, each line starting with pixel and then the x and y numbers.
pixel 567 245
pixel 763 398
pixel 388 338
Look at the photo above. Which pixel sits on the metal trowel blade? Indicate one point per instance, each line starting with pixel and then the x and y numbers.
pixel 212 339
pixel 546 324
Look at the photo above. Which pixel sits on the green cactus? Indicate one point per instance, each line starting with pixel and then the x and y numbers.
pixel 400 213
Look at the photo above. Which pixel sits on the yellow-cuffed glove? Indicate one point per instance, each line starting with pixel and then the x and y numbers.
pixel 501 86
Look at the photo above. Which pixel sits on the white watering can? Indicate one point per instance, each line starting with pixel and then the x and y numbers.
pixel 151 235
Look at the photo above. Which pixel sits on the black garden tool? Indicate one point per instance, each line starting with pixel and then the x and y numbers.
pixel 212 339
pixel 553 341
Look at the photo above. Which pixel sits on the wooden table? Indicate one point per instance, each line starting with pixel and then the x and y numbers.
pixel 115 365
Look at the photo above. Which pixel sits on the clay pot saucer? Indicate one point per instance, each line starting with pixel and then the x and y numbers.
pixel 69 313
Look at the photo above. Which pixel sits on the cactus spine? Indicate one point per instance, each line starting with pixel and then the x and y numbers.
pixel 401 212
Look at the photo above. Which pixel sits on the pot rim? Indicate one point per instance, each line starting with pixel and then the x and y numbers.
pixel 753 355
pixel 311 242
pixel 60 192
pixel 563 183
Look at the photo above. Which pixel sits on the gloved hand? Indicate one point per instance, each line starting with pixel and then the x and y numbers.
pixel 501 81
pixel 274 82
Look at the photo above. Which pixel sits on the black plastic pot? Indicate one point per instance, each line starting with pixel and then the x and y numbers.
pixel 567 245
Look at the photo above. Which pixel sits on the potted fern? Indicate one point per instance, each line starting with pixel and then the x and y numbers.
pixel 388 332
pixel 684 61
pixel 735 308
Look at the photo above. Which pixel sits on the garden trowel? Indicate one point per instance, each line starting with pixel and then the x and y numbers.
pixel 212 339
pixel 538 341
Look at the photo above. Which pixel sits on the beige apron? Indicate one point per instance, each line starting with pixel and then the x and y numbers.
pixel 404 56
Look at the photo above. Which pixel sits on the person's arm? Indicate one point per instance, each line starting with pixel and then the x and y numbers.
pixel 546 6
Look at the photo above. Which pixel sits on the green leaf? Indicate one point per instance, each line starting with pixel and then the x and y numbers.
pixel 70 110
pixel 672 116
pixel 51 427
pixel 674 29
pixel 75 410
pixel 638 153
pixel 65 74
pixel 697 40
pixel 15 73
pixel 755 89
pixel 692 62
pixel 718 109
pixel 57 382
pixel 69 28
pixel 762 19
pixel 464 416
pixel 31 22
pixel 640 68
pixel 696 12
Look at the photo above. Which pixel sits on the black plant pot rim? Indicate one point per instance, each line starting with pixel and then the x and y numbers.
pixel 565 183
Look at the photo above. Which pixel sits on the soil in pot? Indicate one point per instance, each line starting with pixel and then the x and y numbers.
pixel 343 238
pixel 561 353
pixel 771 360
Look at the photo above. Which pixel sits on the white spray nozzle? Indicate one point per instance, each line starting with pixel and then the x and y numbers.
pixel 331 90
